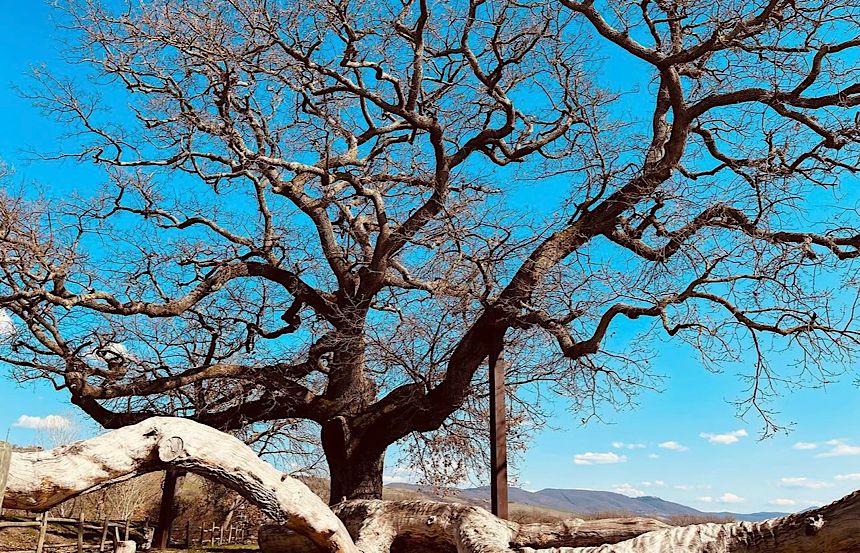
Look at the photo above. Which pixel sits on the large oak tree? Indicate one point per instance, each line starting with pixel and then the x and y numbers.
pixel 326 211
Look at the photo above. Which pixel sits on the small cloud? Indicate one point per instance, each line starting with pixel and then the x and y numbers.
pixel 839 448
pixel 803 482
pixel 705 499
pixel 783 502
pixel 399 475
pixel 730 498
pixel 804 445
pixel 688 487
pixel 592 458
pixel 673 445
pixel 851 476
pixel 725 439
pixel 42 423
pixel 653 456
pixel 623 445
pixel 628 490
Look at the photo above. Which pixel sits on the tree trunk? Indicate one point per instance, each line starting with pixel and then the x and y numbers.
pixel 166 511
pixel 355 469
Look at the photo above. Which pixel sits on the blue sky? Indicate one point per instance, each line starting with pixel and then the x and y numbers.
pixel 684 444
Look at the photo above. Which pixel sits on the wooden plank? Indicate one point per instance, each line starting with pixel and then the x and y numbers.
pixel 104 535
pixel 43 529
pixel 81 532
pixel 19 525
pixel 5 456
pixel 498 434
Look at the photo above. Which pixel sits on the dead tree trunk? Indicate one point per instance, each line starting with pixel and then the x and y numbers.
pixel 41 479
pixel 38 480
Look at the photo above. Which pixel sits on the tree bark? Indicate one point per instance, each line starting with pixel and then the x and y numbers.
pixel 166 511
pixel 355 469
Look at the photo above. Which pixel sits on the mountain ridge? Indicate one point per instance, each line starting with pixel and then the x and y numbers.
pixel 586 502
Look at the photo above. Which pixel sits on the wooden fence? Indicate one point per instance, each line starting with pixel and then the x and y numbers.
pixel 80 524
pixel 204 534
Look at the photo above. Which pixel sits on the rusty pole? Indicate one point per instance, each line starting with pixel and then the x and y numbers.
pixel 498 434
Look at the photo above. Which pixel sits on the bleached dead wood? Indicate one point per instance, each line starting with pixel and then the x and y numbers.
pixel 41 479
pixel 419 526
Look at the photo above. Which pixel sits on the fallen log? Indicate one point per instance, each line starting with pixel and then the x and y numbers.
pixel 39 480
pixel 429 526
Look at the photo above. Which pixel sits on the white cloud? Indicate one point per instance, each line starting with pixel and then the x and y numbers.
pixel 653 456
pixel 7 325
pixel 688 487
pixel 725 439
pixel 623 445
pixel 731 498
pixel 628 490
pixel 851 476
pixel 839 448
pixel 673 445
pixel 803 482
pixel 399 475
pixel 657 483
pixel 804 445
pixel 705 499
pixel 782 502
pixel 42 423
pixel 593 458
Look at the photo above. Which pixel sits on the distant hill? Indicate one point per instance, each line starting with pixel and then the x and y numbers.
pixel 586 502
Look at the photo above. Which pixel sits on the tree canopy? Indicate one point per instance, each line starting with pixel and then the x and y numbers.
pixel 326 211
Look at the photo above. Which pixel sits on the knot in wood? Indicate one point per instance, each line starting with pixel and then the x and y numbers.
pixel 171 449
pixel 814 524
pixel 431 520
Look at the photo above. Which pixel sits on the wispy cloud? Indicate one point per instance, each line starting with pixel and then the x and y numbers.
pixel 624 445
pixel 628 490
pixel 782 502
pixel 688 487
pixel 42 423
pixel 802 482
pixel 705 499
pixel 851 476
pixel 399 475
pixel 594 458
pixel 655 483
pixel 730 498
pixel 653 456
pixel 804 445
pixel 839 448
pixel 673 445
pixel 725 439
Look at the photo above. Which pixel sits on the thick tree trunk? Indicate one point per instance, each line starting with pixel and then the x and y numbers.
pixel 355 469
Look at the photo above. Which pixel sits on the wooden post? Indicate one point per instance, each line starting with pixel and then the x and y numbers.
pixel 81 532
pixel 104 536
pixel 43 529
pixel 125 534
pixel 166 511
pixel 230 535
pixel 187 534
pixel 201 534
pixel 212 535
pixel 5 456
pixel 221 535
pixel 498 434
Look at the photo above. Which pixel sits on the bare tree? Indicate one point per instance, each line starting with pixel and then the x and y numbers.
pixel 316 212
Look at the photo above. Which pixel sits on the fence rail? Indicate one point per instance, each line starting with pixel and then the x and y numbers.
pixel 203 534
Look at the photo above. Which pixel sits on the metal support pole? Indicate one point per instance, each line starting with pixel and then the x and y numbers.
pixel 498 434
